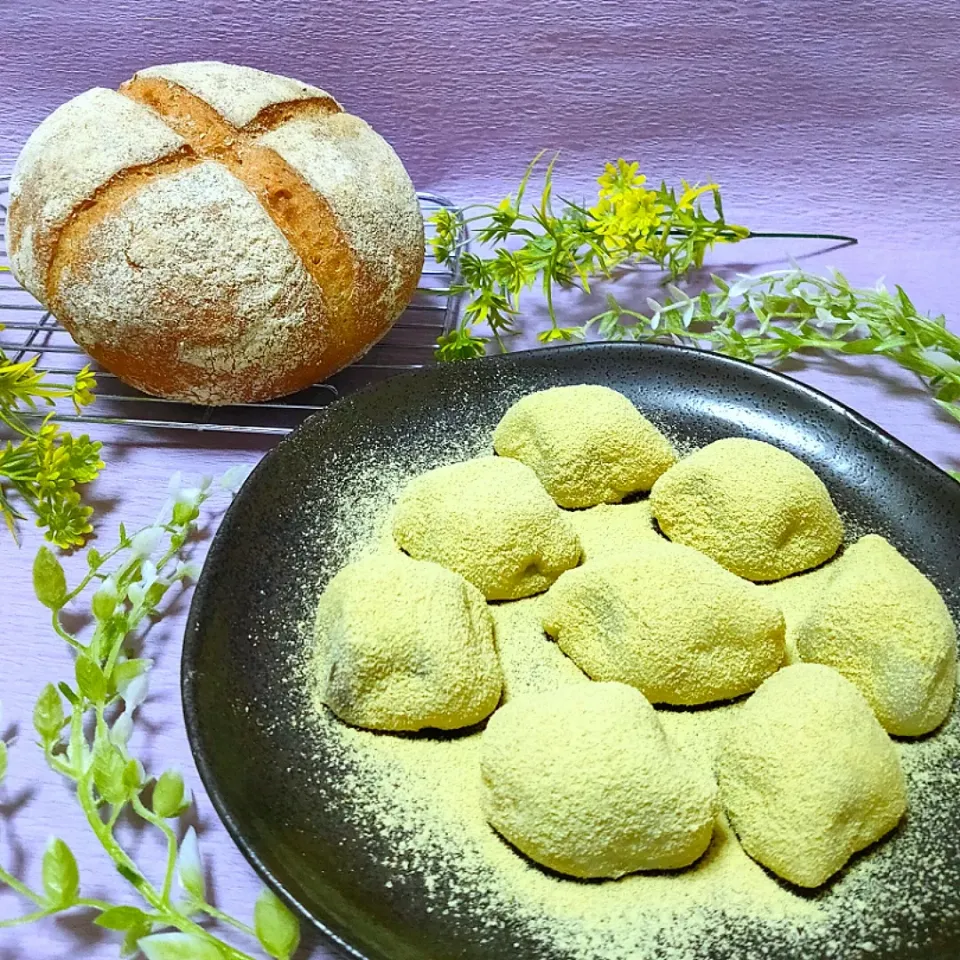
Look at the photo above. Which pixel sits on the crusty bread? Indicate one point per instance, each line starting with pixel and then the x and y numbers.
pixel 213 233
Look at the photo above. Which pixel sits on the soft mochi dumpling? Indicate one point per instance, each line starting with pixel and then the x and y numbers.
pixel 668 621
pixel 403 645
pixel 491 521
pixel 883 625
pixel 588 444
pixel 583 780
pixel 757 510
pixel 612 528
pixel 808 776
pixel 796 597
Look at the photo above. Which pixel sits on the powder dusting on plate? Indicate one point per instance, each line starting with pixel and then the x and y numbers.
pixel 418 796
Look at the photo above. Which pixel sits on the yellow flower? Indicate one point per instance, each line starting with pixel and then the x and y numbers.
pixel 620 179
pixel 690 194
pixel 626 220
pixel 626 213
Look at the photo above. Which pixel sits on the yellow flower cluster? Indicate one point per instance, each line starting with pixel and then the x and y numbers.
pixel 626 212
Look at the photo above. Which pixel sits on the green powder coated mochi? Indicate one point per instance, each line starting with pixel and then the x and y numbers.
pixel 404 645
pixel 807 775
pixel 583 780
pixel 883 625
pixel 587 444
pixel 668 621
pixel 491 521
pixel 613 528
pixel 756 509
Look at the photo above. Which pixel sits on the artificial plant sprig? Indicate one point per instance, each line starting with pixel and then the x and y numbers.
pixel 781 313
pixel 560 243
pixel 84 725
pixel 44 466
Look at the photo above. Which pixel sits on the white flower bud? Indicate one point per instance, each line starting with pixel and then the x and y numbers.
pixel 148 574
pixel 190 868
pixel 189 496
pixel 134 691
pixel 233 478
pixel 121 730
pixel 146 541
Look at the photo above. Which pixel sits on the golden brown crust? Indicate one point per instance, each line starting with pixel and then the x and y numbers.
pixel 83 144
pixel 138 274
pixel 66 244
pixel 170 287
pixel 302 215
pixel 277 114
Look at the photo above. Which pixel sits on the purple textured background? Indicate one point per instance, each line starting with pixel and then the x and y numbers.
pixel 811 114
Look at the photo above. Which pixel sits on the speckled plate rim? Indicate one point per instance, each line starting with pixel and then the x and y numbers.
pixel 192 635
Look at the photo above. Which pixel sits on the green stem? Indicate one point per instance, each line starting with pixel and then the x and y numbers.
pixel 212 911
pixel 85 582
pixel 170 916
pixel 146 814
pixel 11 881
pixel 16 424
pixel 92 904
pixel 63 635
pixel 787 235
pixel 58 766
pixel 548 287
pixel 28 918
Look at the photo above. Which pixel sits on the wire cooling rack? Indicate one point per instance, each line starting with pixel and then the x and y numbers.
pixel 30 330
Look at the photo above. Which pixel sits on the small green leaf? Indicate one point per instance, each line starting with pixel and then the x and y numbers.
pixel 184 513
pixel 48 714
pixel 952 408
pixel 104 601
pixel 277 928
pixel 72 698
pixel 49 580
pixel 123 535
pixel 864 345
pixel 155 594
pixel 129 670
pixel 170 797
pixel 132 777
pixel 179 946
pixel 555 333
pixel 93 558
pixel 90 679
pixel 61 878
pixel 131 942
pixel 3 760
pixel 109 767
pixel 121 918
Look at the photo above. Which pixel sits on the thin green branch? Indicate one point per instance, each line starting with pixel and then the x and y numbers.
pixel 28 918
pixel 216 914
pixel 107 780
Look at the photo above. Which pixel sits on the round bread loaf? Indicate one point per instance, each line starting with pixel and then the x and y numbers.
pixel 213 233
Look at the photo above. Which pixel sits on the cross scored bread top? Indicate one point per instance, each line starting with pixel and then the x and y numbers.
pixel 120 197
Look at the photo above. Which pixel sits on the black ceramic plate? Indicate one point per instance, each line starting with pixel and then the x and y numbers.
pixel 278 795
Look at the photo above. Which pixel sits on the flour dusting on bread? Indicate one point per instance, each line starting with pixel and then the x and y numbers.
pixel 215 234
